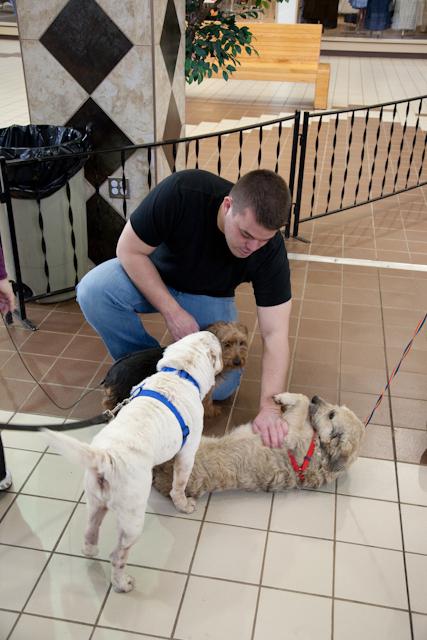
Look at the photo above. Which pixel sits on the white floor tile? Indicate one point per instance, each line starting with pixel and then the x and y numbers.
pixel 370 575
pixel 370 522
pixel 216 610
pixel 22 568
pixel 166 543
pixel 370 478
pixel 282 614
pixel 34 441
pixel 45 628
pixel 415 528
pixel 232 553
pixel 20 464
pixel 150 608
pixel 55 477
pixel 7 620
pixel 6 500
pixel 307 513
pixel 420 626
pixel 417 579
pixel 164 506
pixel 71 588
pixel 353 621
pixel 300 564
pixel 240 508
pixel 109 634
pixel 35 522
pixel 412 483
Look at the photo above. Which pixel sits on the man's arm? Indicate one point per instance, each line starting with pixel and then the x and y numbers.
pixel 274 326
pixel 133 254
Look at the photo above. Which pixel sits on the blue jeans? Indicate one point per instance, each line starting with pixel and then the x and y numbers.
pixel 110 303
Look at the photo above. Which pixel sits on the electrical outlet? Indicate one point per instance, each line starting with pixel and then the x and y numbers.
pixel 115 188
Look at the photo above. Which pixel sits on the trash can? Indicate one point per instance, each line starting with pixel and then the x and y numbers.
pixel 49 207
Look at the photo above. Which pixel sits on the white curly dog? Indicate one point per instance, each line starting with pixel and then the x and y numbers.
pixel 149 430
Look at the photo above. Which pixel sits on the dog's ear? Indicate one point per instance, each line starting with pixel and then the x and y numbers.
pixel 243 328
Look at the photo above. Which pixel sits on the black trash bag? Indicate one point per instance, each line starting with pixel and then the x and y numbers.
pixel 40 179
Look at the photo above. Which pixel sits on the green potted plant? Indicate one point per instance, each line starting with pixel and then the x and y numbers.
pixel 213 39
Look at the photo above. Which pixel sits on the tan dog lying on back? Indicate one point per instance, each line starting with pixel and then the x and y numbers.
pixel 145 432
pixel 239 460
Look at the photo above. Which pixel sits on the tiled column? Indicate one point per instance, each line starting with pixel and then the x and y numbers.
pixel 119 65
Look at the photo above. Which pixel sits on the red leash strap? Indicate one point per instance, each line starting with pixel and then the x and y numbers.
pixel 299 469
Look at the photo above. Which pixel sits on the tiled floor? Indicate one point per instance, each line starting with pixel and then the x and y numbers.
pixel 343 563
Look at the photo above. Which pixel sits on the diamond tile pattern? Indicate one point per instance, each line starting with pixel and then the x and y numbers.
pixel 170 39
pixel 87 53
pixel 172 129
pixel 105 135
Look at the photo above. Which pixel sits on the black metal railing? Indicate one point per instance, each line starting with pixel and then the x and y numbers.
pixel 333 161
pixel 353 157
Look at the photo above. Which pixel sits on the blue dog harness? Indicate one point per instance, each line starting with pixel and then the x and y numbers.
pixel 149 393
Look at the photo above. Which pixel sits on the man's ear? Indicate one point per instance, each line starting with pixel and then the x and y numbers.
pixel 227 203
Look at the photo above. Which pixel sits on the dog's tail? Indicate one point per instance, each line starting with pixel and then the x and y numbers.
pixel 75 451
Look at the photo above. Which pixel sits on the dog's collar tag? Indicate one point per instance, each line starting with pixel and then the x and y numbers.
pixel 150 393
pixel 182 374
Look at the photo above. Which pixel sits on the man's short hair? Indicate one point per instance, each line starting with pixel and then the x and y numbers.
pixel 267 194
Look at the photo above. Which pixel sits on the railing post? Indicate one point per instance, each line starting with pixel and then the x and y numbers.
pixel 293 167
pixel 6 199
pixel 301 165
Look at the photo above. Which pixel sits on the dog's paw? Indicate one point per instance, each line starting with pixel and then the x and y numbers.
pixel 186 507
pixel 124 584
pixel 213 411
pixel 90 550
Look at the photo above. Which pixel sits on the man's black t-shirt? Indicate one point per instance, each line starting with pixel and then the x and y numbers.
pixel 179 218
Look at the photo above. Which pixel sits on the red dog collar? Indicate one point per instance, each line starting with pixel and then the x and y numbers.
pixel 299 469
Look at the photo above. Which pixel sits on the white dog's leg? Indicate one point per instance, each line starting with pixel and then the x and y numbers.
pixel 96 513
pixel 130 522
pixel 182 468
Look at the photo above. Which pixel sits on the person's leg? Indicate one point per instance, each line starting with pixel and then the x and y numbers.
pixel 110 303
pixel 207 310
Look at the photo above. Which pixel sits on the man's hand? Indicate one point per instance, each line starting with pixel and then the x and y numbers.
pixel 271 427
pixel 181 324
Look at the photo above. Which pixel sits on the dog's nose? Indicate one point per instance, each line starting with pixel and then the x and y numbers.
pixel 315 400
pixel 236 361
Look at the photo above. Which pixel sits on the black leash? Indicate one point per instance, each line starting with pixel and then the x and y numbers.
pixel 102 418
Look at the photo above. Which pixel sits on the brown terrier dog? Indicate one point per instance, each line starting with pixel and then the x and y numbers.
pixel 135 367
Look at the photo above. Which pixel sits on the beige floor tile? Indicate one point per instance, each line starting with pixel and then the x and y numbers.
pixel 420 626
pixel 240 508
pixel 294 615
pixel 7 620
pixel 20 463
pixel 55 477
pixel 367 574
pixel 6 499
pixel 353 621
pixel 35 522
pixel 231 616
pixel 414 521
pixel 166 543
pixel 71 588
pixel 231 553
pixel 412 483
pixel 306 513
pixel 417 580
pixel 299 564
pixel 43 628
pixel 368 478
pixel 150 608
pixel 370 522
pixel 22 567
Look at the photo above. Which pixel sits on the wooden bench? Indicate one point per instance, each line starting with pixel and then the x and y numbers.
pixel 287 53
